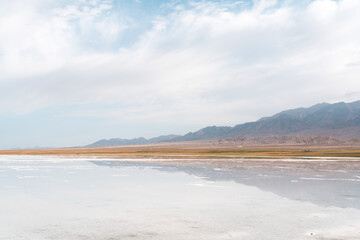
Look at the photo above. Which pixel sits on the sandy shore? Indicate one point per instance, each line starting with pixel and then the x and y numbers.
pixel 199 150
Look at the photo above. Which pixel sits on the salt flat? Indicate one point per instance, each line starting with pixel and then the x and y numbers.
pixel 57 197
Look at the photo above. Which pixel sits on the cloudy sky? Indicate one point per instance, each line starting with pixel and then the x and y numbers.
pixel 76 71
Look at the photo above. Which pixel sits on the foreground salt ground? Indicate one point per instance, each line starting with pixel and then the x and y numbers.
pixel 59 198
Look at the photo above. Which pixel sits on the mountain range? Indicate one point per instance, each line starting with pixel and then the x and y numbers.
pixel 134 141
pixel 338 120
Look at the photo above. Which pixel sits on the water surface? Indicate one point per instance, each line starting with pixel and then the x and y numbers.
pixel 92 198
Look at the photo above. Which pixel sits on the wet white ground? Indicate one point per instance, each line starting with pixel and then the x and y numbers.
pixel 56 198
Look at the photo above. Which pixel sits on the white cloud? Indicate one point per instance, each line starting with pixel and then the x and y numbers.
pixel 202 63
pixel 36 41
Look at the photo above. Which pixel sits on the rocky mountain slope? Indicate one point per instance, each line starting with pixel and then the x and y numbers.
pixel 338 121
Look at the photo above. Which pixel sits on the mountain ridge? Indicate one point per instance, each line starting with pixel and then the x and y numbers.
pixel 134 141
pixel 338 120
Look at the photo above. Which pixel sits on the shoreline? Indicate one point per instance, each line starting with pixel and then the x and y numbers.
pixel 199 150
pixel 296 165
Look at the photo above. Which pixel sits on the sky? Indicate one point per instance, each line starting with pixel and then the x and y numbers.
pixel 76 71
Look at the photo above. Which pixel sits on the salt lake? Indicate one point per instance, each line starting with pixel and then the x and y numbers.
pixel 57 197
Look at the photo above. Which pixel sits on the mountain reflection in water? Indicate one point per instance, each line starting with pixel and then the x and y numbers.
pixel 60 197
pixel 325 183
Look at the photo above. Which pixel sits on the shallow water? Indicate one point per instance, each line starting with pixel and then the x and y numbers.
pixel 62 198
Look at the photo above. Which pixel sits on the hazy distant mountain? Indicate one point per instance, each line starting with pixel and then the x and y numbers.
pixel 205 133
pixel 322 119
pixel 163 138
pixel 118 141
pixel 134 141
pixel 338 120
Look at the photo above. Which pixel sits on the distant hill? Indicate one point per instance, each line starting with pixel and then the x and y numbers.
pixel 204 133
pixel 134 141
pixel 339 120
